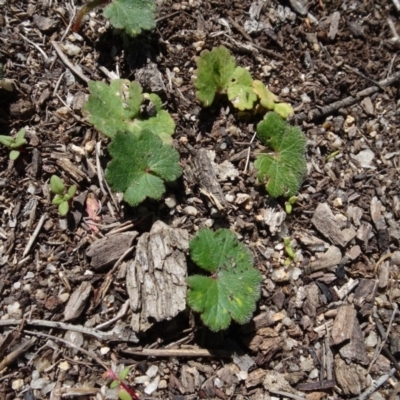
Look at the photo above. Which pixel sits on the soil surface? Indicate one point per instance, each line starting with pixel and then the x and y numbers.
pixel 326 325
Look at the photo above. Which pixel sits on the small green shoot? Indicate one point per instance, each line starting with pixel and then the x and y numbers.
pixel 140 165
pixel 332 155
pixel 289 251
pixel 231 292
pixel 217 73
pixel 284 169
pixel 117 108
pixel 14 143
pixel 125 392
pixel 290 203
pixel 62 196
pixel 132 16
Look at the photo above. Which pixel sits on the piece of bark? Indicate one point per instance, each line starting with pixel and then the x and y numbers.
pixel 76 173
pixel 352 379
pixel 156 279
pixel 334 26
pixel 312 300
pixel 364 296
pixel 343 324
pixel 325 222
pixel 108 250
pixel 275 381
pixel 384 273
pixel 355 350
pixel 380 224
pixel 208 179
pixel 363 232
pixel 255 378
pixel 77 302
pixel 329 259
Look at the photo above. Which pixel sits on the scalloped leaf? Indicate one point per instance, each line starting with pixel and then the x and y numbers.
pixel 287 167
pixel 214 71
pixel 234 287
pixel 116 107
pixel 132 16
pixel 267 98
pixel 240 91
pixel 140 165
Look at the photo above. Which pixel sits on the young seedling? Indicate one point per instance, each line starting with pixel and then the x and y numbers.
pixel 284 169
pixel 62 196
pixel 289 251
pixel 289 204
pixel 124 391
pixel 14 143
pixel 217 73
pixel 132 16
pixel 140 164
pixel 117 108
pixel 232 290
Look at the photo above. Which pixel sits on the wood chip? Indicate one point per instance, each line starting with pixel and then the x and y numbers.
pixel 107 251
pixel 156 279
pixel 324 220
pixel 343 324
pixel 355 350
pixel 77 174
pixel 329 259
pixel 364 296
pixel 78 301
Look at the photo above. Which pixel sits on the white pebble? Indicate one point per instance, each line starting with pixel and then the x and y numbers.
pixel 152 371
pixel 152 386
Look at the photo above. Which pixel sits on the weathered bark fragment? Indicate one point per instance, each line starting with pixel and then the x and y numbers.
pixel 156 279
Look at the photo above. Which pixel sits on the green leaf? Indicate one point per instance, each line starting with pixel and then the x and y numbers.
pixel 14 154
pixel 6 140
pixel 267 98
pixel 285 110
pixel 124 373
pixel 240 91
pixel 58 199
pixel 124 395
pixel 140 164
pixel 56 185
pixel 63 208
pixel 114 384
pixel 214 72
pixel 71 191
pixel 234 287
pixel 132 16
pixel 20 135
pixel 116 107
pixel 286 168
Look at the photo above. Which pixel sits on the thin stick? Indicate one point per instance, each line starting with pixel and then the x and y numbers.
pixel 384 339
pixel 346 102
pixel 121 313
pixel 34 235
pixel 102 336
pixel 68 63
pixel 71 21
pixel 377 384
pixel 9 358
pixel 248 152
pixel 70 344
pixel 36 47
pixel 178 353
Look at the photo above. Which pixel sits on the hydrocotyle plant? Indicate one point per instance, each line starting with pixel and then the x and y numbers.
pixel 117 108
pixel 232 290
pixel 285 168
pixel 62 196
pixel 132 16
pixel 118 381
pixel 217 73
pixel 140 165
pixel 14 143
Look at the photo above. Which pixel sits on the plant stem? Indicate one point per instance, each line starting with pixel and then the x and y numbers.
pixel 85 10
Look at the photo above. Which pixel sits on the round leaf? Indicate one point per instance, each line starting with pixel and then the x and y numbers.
pixel 63 208
pixel 56 185
pixel 14 154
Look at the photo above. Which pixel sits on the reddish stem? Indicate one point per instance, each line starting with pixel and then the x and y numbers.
pixel 85 10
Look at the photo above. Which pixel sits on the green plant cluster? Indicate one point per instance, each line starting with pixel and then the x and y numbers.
pixel 131 16
pixel 218 73
pixel 142 155
pixel 14 143
pixel 63 196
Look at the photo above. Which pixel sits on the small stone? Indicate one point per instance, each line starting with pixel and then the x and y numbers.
pixel 17 384
pixel 314 374
pixel 230 197
pixel 365 158
pixel 14 310
pixel 64 366
pixel 295 273
pixel 104 350
pixel 44 24
pixel 63 297
pixel 152 371
pixel 218 383
pixel 170 201
pixel 371 341
pixel 152 386
pixel 140 380
pixel 190 210
pixel 163 384
pixel 280 275
pixel 70 48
